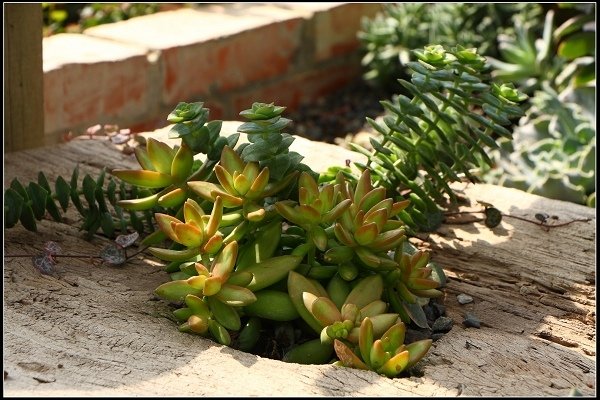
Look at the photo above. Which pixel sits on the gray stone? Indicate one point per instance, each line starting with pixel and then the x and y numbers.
pixel 464 298
pixel 442 324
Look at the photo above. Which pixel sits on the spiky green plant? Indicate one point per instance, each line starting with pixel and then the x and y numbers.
pixel 440 133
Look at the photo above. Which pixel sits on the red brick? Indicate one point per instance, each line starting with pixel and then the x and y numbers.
pixel 335 29
pixel 297 89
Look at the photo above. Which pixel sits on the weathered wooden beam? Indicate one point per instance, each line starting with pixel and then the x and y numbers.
pixel 23 76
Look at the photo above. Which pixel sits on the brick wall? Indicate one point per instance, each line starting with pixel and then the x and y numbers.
pixel 133 73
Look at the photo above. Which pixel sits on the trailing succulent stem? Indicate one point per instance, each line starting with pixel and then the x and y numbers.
pixel 441 133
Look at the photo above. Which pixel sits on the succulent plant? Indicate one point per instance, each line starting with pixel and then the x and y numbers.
pixel 441 134
pixel 388 38
pixel 387 356
pixel 553 150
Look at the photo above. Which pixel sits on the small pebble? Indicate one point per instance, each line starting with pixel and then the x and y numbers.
pixel 471 321
pixel 442 324
pixel 464 298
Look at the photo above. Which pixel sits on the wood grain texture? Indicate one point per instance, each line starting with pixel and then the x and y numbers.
pixel 23 93
pixel 99 331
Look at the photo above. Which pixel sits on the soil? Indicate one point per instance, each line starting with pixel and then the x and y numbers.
pixel 340 114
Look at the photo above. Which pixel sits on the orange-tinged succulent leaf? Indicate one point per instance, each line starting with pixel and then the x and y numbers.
pixel 197 324
pixel 212 286
pixel 369 258
pixel 142 178
pixel 343 236
pixel 197 306
pixel 398 207
pixel 188 235
pixel 321 308
pixel 365 234
pixel 259 185
pixel 253 212
pixel 373 308
pixel 297 285
pixel 366 291
pixel 141 154
pixel 251 171
pixel 215 217
pixel 229 201
pixel 144 203
pixel 427 293
pixel 235 296
pixel 308 183
pixel 347 356
pixel 365 339
pixel 319 237
pixel 405 293
pixel 392 224
pixel 336 212
pixel 173 199
pixel 289 213
pixel 378 217
pixel 205 189
pixel 419 259
pixel 350 312
pixel 422 284
pixel 327 198
pixel 201 269
pixel 387 240
pixel 225 179
pixel 161 155
pixel 176 290
pixel 371 198
pixel 359 219
pixel 193 213
pixel 304 196
pixel 363 186
pixel 378 356
pixel 213 244
pixel 309 215
pixel 231 161
pixel 174 255
pixel 225 261
pixel 241 184
pixel 395 365
pixel 197 282
pixel 417 350
pixel 385 204
pixel 383 322
pixel 165 222
pixel 393 338
pixel 182 163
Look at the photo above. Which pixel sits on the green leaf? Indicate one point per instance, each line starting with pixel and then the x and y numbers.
pixel 53 210
pixel 43 182
pixel 107 224
pixel 89 189
pixel 19 188
pixel 13 204
pixel 27 218
pixel 38 196
pixel 62 192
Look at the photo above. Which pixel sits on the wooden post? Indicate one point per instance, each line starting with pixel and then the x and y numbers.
pixel 23 77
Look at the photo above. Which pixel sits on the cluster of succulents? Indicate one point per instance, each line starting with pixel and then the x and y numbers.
pixel 253 239
pixel 553 150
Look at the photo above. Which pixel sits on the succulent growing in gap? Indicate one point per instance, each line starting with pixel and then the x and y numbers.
pixel 387 356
